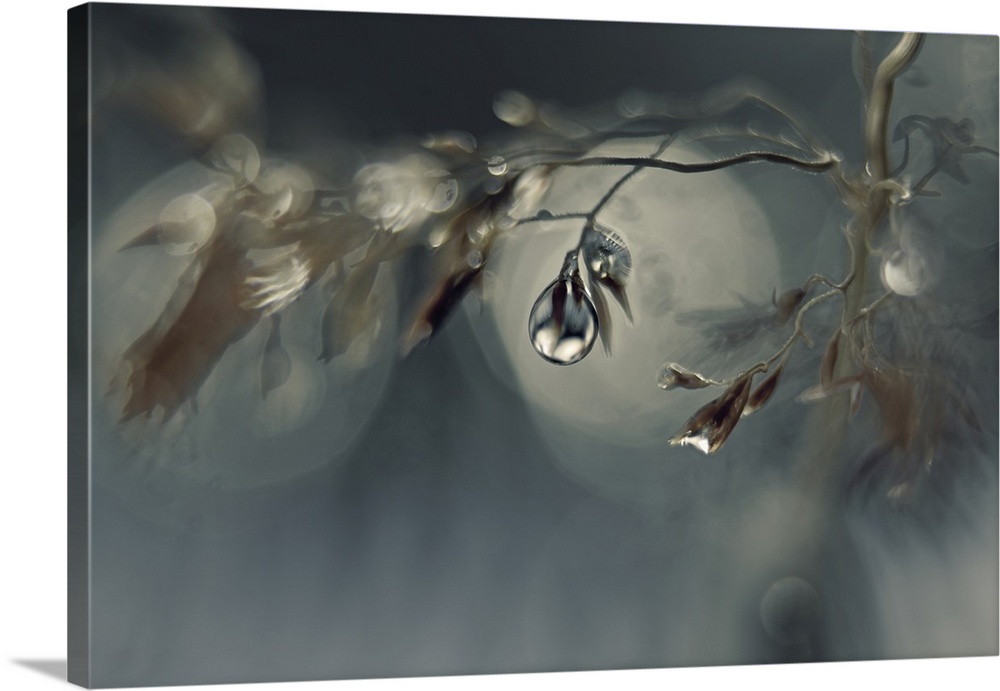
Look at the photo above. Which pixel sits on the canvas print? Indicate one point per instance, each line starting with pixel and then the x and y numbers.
pixel 427 345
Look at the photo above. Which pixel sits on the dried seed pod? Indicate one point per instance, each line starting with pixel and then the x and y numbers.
pixel 829 361
pixel 672 376
pixel 896 397
pixel 609 261
pixel 349 311
pixel 563 323
pixel 762 394
pixel 604 323
pixel 786 304
pixel 710 426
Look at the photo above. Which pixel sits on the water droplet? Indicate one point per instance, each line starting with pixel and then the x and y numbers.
pixel 905 273
pixel 497 165
pixel 514 108
pixel 607 255
pixel 444 196
pixel 188 222
pixel 478 233
pixel 633 103
pixel 790 610
pixel 236 154
pixel 563 322
pixel 474 258
pixel 492 185
pixel 438 234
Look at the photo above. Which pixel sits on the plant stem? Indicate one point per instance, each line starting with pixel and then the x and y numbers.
pixel 869 201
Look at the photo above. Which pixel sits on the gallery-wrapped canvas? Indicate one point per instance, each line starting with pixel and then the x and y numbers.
pixel 432 345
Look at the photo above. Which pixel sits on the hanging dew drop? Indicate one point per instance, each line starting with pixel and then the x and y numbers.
pixel 562 325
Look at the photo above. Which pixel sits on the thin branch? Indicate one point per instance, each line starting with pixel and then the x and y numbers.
pixel 819 165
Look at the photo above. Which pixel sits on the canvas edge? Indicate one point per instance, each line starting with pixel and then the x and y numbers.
pixel 78 346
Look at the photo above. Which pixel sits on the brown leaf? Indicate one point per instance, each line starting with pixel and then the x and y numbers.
pixel 672 376
pixel 710 426
pixel 348 311
pixel 604 325
pixel 762 394
pixel 896 397
pixel 172 359
pixel 829 361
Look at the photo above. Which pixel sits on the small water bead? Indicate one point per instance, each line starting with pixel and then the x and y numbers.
pixel 563 322
pixel 444 196
pixel 497 165
pixel 474 259
pixel 544 218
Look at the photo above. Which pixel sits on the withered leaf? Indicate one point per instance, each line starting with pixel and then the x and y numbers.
pixel 709 428
pixel 604 326
pixel 762 394
pixel 672 376
pixel 348 311
pixel 172 359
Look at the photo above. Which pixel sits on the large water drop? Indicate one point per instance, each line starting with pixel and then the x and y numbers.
pixel 563 322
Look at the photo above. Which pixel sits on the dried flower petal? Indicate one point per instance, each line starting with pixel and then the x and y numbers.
pixel 604 324
pixel 762 394
pixel 710 426
pixel 896 397
pixel 349 311
pixel 609 261
pixel 829 361
pixel 672 376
